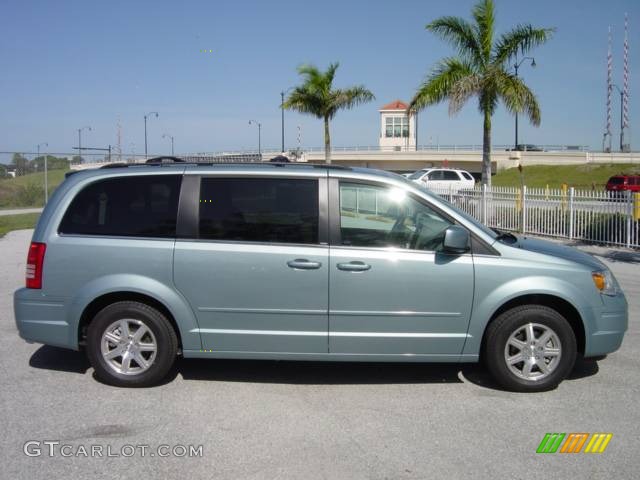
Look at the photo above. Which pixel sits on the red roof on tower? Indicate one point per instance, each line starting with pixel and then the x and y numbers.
pixel 395 105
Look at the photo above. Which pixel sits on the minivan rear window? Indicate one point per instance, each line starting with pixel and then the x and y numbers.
pixel 259 210
pixel 132 206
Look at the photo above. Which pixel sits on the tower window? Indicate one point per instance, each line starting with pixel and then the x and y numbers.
pixel 397 127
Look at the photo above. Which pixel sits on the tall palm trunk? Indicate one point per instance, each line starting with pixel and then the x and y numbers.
pixel 486 150
pixel 327 142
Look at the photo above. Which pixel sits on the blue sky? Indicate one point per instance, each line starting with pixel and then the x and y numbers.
pixel 67 64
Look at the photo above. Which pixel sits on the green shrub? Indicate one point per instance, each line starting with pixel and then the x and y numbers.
pixel 30 195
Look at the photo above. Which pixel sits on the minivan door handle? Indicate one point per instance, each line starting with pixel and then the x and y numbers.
pixel 354 266
pixel 303 264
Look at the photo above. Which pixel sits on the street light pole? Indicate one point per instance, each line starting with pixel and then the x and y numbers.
pixel 259 135
pixel 80 141
pixel 516 66
pixel 165 135
pixel 282 112
pixel 282 94
pixel 46 183
pixel 145 131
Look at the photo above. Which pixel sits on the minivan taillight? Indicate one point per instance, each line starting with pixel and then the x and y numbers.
pixel 35 260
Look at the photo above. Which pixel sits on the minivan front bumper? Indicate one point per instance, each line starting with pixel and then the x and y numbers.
pixel 42 319
pixel 610 322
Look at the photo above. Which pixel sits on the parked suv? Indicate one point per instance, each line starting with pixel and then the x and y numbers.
pixel 618 184
pixel 443 179
pixel 139 264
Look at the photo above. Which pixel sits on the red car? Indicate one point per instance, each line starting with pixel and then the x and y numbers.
pixel 621 183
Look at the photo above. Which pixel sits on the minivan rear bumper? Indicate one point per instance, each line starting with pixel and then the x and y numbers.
pixel 42 319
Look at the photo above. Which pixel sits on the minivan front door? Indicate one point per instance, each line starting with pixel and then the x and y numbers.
pixel 392 290
pixel 257 273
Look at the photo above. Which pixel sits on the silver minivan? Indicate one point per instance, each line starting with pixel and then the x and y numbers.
pixel 138 264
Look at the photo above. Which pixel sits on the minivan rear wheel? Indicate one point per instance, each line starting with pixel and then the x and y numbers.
pixel 530 348
pixel 131 344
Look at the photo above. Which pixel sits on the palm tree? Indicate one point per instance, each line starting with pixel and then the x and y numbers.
pixel 481 69
pixel 317 97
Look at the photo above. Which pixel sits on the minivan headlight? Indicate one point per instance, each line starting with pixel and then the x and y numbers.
pixel 604 282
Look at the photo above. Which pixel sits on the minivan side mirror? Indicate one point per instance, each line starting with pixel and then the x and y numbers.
pixel 456 240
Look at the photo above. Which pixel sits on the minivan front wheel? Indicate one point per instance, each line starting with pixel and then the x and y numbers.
pixel 530 348
pixel 131 344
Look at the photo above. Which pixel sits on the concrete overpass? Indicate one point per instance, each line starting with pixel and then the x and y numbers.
pixel 409 161
pixel 468 160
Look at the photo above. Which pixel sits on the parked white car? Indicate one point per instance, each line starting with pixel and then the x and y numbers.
pixel 443 179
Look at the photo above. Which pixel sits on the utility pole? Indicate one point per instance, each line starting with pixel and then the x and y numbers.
pixel 80 141
pixel 606 139
pixel 621 92
pixel 624 123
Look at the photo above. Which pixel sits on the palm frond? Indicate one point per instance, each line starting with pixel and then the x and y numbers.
pixel 305 100
pixel 462 90
pixel 517 97
pixel 460 34
pixel 331 72
pixel 439 83
pixel 317 96
pixel 488 98
pixel 350 97
pixel 521 39
pixel 483 15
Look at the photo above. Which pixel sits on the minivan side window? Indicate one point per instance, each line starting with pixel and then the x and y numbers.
pixel 259 210
pixel 375 216
pixel 131 206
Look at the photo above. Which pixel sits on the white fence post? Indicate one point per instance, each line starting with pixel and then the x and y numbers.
pixel 484 203
pixel 629 194
pixel 571 192
pixel 524 209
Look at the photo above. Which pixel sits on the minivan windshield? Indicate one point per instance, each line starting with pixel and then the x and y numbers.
pixel 416 175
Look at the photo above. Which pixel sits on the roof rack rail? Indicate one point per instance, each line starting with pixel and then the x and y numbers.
pixel 166 160
pixel 115 165
pixel 272 164
pixel 171 159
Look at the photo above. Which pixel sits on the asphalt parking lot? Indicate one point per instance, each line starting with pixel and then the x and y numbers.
pixel 313 420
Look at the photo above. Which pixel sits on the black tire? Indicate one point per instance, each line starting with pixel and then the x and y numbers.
pixel 499 332
pixel 163 333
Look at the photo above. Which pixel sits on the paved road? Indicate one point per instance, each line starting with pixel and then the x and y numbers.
pixel 16 211
pixel 311 420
